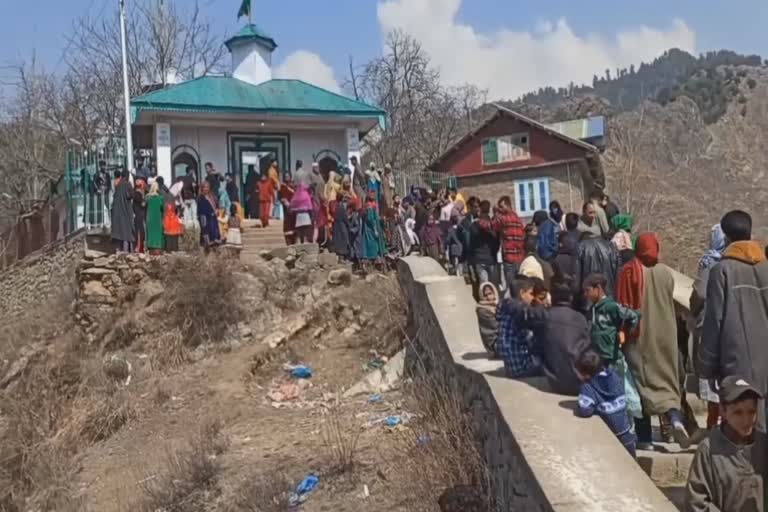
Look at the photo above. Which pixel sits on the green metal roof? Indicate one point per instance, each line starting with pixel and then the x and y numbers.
pixel 251 33
pixel 221 94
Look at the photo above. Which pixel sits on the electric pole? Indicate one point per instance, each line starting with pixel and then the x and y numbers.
pixel 126 91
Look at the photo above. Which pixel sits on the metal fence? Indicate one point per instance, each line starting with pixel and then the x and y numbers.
pixel 426 179
pixel 90 184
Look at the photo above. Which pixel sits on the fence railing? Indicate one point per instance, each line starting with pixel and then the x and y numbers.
pixel 404 180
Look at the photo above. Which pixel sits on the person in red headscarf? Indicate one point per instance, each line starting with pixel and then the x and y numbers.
pixel 651 350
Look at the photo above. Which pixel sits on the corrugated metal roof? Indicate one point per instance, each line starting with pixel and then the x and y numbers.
pixel 227 94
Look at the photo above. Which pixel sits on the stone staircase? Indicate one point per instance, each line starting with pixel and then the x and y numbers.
pixel 257 239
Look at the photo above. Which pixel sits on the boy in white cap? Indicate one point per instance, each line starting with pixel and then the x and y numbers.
pixel 728 469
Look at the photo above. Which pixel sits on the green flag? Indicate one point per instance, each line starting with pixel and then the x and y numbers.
pixel 245 9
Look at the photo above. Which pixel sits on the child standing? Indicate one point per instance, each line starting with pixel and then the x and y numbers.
pixel 727 471
pixel 602 393
pixel 234 233
pixel 455 248
pixel 515 342
pixel 607 318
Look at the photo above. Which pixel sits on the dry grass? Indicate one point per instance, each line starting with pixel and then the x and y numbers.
pixel 266 493
pixel 202 302
pixel 340 440
pixel 188 479
pixel 438 454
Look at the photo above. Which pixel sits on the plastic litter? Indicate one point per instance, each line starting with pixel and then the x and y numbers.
pixel 376 364
pixel 299 371
pixel 393 421
pixel 303 490
pixel 423 439
pixel 375 399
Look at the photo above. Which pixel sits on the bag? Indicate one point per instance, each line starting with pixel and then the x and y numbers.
pixel 631 395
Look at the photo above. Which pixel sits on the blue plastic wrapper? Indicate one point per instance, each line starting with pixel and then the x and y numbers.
pixel 302 372
pixel 303 490
pixel 393 421
pixel 375 399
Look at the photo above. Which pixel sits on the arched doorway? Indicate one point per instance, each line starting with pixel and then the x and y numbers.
pixel 328 160
pixel 184 158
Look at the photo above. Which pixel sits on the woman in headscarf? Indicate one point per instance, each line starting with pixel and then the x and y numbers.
pixel 285 196
pixel 651 350
pixel 341 238
pixel 717 245
pixel 622 239
pixel 155 213
pixel 556 214
pixel 374 183
pixel 274 178
pixel 302 207
pixel 252 193
pixel 373 238
pixel 266 196
pixel 140 214
pixel 210 236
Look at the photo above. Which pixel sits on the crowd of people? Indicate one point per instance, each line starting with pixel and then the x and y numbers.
pixel 582 300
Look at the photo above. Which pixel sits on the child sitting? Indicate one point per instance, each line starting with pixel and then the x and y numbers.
pixel 727 471
pixel 602 393
pixel 486 316
pixel 515 342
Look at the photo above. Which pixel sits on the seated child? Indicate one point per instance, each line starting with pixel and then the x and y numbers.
pixel 727 471
pixel 486 316
pixel 514 344
pixel 602 393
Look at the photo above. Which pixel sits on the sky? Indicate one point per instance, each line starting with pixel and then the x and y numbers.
pixel 508 47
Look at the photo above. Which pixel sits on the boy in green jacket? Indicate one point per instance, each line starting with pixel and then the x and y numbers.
pixel 607 319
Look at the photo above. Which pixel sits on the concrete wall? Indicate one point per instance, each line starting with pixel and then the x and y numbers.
pixel 541 457
pixel 28 284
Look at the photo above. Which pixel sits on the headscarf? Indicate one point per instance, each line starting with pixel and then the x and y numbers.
pixel 631 285
pixel 623 222
pixel 488 284
pixel 457 212
pixel 555 211
pixel 540 217
pixel 648 249
pixel 154 189
pixel 717 245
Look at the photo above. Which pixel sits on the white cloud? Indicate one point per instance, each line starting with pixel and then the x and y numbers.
pixel 510 63
pixel 310 67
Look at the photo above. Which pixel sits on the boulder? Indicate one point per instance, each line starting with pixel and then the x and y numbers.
pixel 382 380
pixel 95 289
pixel 339 276
pixel 327 259
pixel 97 272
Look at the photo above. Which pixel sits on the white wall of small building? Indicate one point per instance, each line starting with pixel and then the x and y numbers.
pixel 211 143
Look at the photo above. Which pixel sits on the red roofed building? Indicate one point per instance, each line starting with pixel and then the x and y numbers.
pixel 510 154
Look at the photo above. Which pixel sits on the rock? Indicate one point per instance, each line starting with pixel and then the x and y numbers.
pixel 275 339
pixel 318 333
pixel 309 260
pixel 290 261
pixel 327 259
pixel 92 255
pixel 266 255
pixel 462 498
pixel 95 289
pixel 97 272
pixel 351 330
pixel 245 331
pixel 148 293
pixel 348 314
pixel 382 380
pixel 294 250
pixel 340 276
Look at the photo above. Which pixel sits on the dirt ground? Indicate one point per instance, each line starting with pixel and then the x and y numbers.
pixel 270 448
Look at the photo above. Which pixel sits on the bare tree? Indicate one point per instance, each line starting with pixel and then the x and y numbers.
pixel 424 117
pixel 165 44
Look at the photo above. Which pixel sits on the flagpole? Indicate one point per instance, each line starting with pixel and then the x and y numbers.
pixel 126 91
